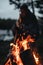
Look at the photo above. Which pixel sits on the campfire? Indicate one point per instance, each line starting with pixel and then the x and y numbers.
pixel 20 47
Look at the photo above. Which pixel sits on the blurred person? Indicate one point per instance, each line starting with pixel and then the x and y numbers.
pixel 26 22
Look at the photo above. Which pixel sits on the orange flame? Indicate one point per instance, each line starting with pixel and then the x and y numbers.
pixel 16 54
pixel 20 46
pixel 24 42
pixel 36 57
pixel 8 62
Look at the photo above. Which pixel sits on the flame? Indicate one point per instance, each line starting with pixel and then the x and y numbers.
pixel 24 42
pixel 16 54
pixel 8 62
pixel 36 57
pixel 21 45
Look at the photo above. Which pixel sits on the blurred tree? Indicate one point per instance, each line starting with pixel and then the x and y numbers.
pixel 15 2
pixel 39 4
pixel 18 3
pixel 32 3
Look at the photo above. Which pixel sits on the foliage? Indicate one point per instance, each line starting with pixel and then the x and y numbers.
pixel 6 24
